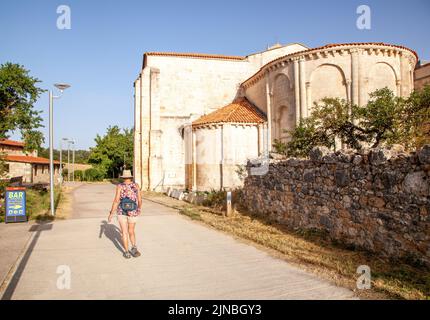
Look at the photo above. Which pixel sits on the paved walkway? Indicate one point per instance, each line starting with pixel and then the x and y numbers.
pixel 181 260
pixel 13 239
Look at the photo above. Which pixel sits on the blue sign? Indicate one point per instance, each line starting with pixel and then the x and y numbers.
pixel 15 205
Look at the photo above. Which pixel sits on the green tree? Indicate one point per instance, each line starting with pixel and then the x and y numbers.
pixel 18 93
pixel 111 150
pixel 385 119
pixel 305 136
pixel 81 156
pixel 416 119
pixel 380 119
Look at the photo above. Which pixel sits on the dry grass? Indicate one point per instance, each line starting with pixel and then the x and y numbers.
pixel 63 204
pixel 64 208
pixel 315 252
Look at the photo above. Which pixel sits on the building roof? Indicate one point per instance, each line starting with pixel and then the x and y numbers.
pixel 423 64
pixel 327 46
pixel 239 111
pixel 194 55
pixel 7 142
pixel 28 159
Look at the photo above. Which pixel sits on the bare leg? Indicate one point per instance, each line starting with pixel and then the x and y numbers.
pixel 124 235
pixel 132 234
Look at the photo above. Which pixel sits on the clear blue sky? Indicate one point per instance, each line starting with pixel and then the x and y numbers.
pixel 102 54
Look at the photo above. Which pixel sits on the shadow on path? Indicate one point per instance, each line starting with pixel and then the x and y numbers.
pixel 38 228
pixel 113 233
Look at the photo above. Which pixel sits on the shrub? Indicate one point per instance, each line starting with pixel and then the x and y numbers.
pixel 384 120
pixel 215 199
pixel 94 174
pixel 65 173
pixel 80 175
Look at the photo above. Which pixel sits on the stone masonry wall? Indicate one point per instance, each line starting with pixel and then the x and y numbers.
pixel 377 200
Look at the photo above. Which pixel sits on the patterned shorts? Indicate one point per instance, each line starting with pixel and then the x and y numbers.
pixel 128 219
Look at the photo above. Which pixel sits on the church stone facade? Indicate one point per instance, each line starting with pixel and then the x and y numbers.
pixel 199 117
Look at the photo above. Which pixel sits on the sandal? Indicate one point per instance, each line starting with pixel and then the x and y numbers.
pixel 134 252
pixel 127 255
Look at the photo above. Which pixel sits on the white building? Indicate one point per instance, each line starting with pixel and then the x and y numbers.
pixel 198 117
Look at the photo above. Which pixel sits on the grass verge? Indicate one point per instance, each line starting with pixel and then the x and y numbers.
pixel 38 203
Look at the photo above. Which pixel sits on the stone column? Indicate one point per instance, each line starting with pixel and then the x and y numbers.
pixel 296 90
pixel 145 126
pixel 399 55
pixel 137 159
pixel 260 139
pixel 155 159
pixel 226 154
pixel 354 86
pixel 363 80
pixel 194 161
pixel 188 154
pixel 269 113
pixel 398 88
pixel 406 73
pixel 348 84
pixel 302 76
pixel 308 98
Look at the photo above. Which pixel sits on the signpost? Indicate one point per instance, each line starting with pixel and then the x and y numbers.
pixel 229 208
pixel 15 205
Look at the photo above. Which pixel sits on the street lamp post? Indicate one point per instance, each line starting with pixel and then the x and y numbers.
pixel 61 158
pixel 61 87
pixel 73 160
pixel 71 141
pixel 68 160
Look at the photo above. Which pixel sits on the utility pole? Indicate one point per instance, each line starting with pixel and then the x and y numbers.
pixel 51 151
pixel 61 158
pixel 68 161
pixel 61 87
pixel 61 161
pixel 73 157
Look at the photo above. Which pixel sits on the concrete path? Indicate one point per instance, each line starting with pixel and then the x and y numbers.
pixel 13 239
pixel 181 260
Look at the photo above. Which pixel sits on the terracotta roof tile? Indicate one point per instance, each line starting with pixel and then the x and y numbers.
pixel 14 143
pixel 239 111
pixel 195 55
pixel 28 159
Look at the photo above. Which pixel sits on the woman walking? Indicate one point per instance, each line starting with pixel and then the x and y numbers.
pixel 127 205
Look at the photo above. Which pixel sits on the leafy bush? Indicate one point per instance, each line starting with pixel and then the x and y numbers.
pixel 65 173
pixel 94 174
pixel 80 175
pixel 385 119
pixel 215 198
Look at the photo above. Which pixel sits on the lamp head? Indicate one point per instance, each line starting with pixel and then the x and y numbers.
pixel 62 86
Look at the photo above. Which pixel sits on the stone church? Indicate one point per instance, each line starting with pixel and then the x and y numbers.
pixel 200 117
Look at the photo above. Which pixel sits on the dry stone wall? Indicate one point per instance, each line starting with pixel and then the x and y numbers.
pixel 377 200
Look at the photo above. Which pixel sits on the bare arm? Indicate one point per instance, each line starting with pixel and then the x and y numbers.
pixel 115 202
pixel 139 197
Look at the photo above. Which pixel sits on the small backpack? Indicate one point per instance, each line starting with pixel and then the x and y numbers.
pixel 127 205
